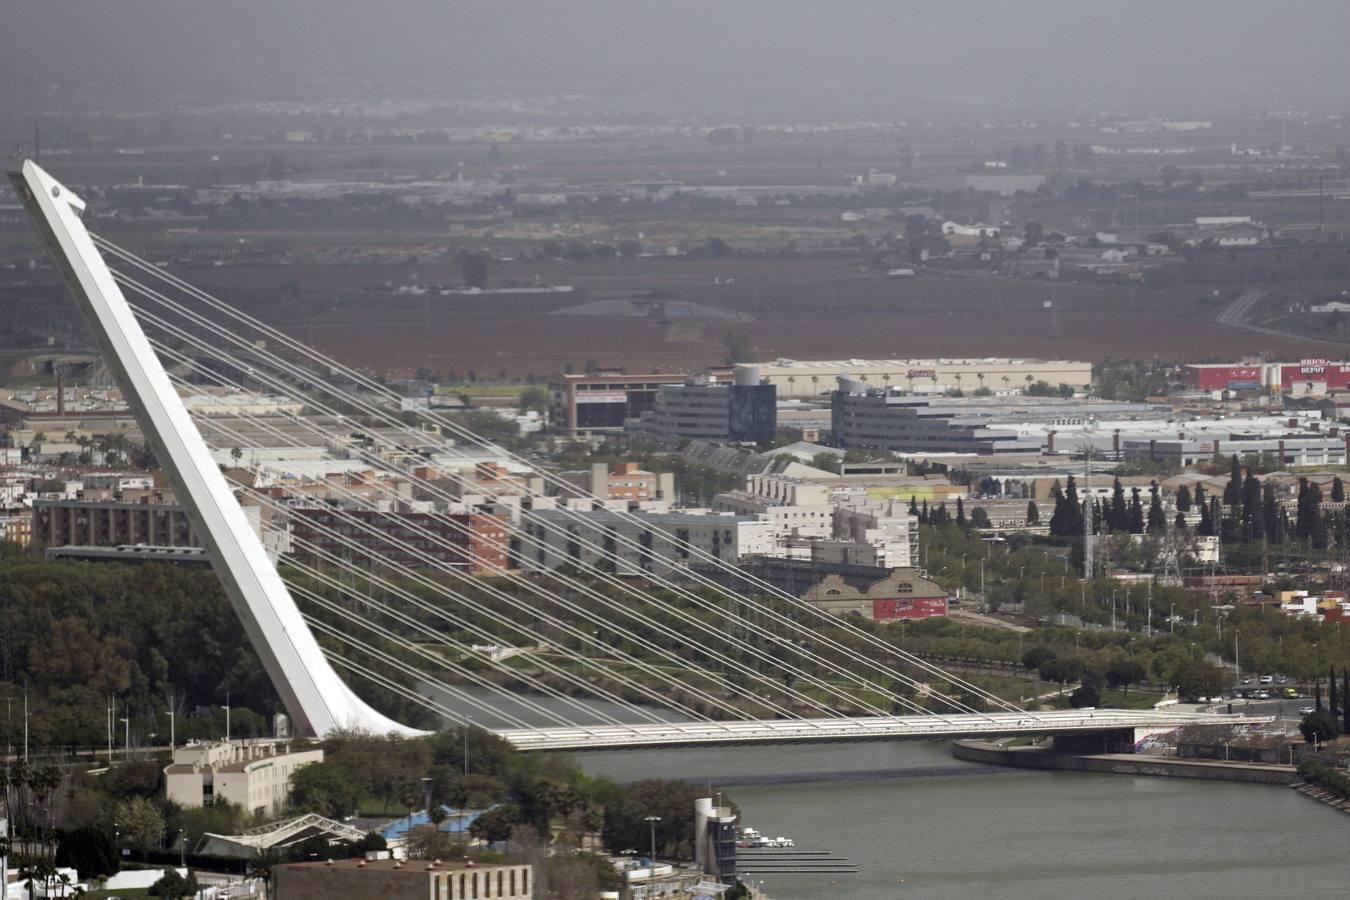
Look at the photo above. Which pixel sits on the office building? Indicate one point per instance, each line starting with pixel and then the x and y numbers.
pixel 878 420
pixel 253 776
pixel 744 413
pixel 585 406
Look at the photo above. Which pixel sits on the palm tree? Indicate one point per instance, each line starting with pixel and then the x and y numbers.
pixel 262 867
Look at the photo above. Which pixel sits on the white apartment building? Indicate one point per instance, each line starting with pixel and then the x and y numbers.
pixel 255 776
pixel 884 525
pixel 794 509
pixel 815 520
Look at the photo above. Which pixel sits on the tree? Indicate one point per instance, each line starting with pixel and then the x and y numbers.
pixel 960 513
pixel 1183 499
pixel 1232 492
pixel 1037 656
pixel 979 518
pixel 496 825
pixel 171 884
pixel 140 822
pixel 474 269
pixel 1195 678
pixel 1118 517
pixel 1089 693
pixel 1337 490
pixel 738 347
pixel 1033 514
pixel 625 822
pixel 327 788
pixel 89 851
pixel 1345 699
pixel 276 167
pixel 236 454
pixel 1320 726
pixel 1136 512
pixel 1157 519
pixel 263 866
pixel 1032 233
pixel 1270 515
pixel 533 398
pixel 1123 673
pixel 1333 700
pixel 1062 670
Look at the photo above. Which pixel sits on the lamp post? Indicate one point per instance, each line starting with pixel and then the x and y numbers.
pixel 182 848
pixel 171 734
pixel 126 723
pixel 652 820
pixel 468 723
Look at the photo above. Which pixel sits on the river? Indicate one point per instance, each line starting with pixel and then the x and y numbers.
pixel 951 829
pixel 922 824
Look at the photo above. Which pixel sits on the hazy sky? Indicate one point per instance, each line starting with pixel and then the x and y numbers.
pixel 699 51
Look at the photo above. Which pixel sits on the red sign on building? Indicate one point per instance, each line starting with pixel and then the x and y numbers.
pixel 909 607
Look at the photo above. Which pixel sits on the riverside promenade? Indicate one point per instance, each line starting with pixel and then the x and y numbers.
pixel 1123 763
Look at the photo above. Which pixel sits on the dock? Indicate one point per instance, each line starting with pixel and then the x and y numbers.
pixel 774 861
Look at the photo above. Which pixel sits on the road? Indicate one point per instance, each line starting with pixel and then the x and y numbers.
pixel 1236 312
pixel 1234 315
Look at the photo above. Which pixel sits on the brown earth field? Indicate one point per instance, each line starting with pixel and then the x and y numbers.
pixel 536 344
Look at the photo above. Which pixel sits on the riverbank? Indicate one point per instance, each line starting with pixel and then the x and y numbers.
pixel 1322 795
pixel 1124 764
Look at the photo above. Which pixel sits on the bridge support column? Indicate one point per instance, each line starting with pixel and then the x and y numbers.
pixel 1120 740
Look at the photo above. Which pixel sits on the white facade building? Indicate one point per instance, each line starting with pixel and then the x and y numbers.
pixel 256 777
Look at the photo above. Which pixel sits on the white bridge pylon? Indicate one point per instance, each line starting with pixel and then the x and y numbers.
pixel 317 699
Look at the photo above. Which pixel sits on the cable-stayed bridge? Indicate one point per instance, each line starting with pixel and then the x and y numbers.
pixel 396 582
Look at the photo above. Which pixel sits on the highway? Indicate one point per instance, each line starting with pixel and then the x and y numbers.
pixel 1236 312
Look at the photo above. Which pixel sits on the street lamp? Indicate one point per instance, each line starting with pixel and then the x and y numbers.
pixel 652 820
pixel 126 722
pixel 468 723
pixel 182 848
pixel 171 735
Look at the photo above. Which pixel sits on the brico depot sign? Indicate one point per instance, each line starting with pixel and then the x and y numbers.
pixel 921 373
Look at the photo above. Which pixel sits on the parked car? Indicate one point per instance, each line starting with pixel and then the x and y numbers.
pixel 1306 710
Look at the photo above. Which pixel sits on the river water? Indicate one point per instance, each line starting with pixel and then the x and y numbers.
pixel 921 824
pixel 950 829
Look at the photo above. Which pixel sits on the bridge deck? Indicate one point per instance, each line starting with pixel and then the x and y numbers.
pixel 1001 724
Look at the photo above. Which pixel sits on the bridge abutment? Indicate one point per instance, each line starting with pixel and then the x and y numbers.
pixel 1118 740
